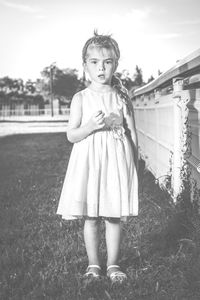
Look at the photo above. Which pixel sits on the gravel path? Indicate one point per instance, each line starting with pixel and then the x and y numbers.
pixel 10 128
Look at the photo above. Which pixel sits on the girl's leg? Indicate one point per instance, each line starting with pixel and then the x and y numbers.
pixel 91 237
pixel 113 237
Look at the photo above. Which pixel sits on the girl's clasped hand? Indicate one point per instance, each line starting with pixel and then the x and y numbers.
pixel 97 120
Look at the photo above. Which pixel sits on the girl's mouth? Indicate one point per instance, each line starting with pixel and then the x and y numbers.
pixel 102 76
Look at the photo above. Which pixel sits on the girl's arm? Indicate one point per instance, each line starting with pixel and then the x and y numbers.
pixel 76 132
pixel 131 130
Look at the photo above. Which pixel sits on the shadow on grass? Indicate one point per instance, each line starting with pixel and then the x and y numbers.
pixel 43 257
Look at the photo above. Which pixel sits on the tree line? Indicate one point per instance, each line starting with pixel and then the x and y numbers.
pixel 61 83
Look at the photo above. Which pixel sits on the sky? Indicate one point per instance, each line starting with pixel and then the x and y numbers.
pixel 151 34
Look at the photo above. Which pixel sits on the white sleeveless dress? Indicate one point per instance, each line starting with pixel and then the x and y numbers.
pixel 101 178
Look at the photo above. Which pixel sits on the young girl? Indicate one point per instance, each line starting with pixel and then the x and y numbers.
pixel 101 179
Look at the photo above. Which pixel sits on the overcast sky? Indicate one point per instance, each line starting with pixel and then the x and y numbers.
pixel 152 34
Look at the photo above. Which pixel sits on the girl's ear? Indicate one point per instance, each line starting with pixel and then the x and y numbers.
pixel 84 67
pixel 86 75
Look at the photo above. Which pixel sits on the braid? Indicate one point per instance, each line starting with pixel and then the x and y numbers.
pixel 117 84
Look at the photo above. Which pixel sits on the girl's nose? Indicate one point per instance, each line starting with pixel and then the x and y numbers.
pixel 101 66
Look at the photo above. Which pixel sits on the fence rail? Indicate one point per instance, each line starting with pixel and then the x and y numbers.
pixel 33 114
pixel 167 113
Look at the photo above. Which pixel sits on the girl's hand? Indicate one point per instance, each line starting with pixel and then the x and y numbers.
pixel 97 120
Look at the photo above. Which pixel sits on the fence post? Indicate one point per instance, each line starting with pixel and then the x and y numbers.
pixel 176 176
pixel 157 95
pixel 182 138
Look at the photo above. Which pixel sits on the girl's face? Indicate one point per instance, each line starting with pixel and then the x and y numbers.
pixel 100 65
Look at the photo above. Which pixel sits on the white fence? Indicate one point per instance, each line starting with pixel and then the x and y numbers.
pixel 33 113
pixel 167 112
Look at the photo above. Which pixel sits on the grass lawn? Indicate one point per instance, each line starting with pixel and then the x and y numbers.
pixel 43 257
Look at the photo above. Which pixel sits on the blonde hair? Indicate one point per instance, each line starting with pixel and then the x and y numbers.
pixel 101 41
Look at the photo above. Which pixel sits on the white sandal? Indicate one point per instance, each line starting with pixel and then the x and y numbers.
pixel 116 276
pixel 93 274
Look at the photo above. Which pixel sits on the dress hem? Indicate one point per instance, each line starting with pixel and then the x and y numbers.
pixel 78 217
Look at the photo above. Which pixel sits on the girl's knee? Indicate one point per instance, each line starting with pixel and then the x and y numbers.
pixel 112 220
pixel 93 222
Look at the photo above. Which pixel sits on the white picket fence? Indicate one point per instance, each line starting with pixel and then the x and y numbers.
pixel 167 112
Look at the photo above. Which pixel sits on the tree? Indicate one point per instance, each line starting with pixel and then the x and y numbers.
pixel 30 87
pixel 7 84
pixel 64 83
pixel 10 89
pixel 138 77
pixel 15 90
pixel 125 78
pixel 150 79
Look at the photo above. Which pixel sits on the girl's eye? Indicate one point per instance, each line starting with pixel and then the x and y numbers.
pixel 108 62
pixel 93 62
